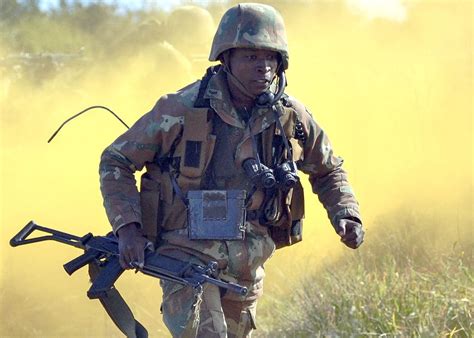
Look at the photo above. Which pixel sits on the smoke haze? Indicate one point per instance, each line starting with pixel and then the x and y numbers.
pixel 392 85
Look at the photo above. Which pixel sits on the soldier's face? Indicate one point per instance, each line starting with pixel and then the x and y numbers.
pixel 255 68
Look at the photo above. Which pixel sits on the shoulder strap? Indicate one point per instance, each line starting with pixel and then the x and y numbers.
pixel 201 102
pixel 299 130
pixel 166 163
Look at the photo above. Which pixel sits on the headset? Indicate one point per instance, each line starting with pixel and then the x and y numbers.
pixel 269 99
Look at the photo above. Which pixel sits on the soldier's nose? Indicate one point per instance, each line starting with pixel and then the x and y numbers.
pixel 263 66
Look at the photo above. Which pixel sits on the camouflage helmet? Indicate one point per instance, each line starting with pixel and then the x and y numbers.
pixel 251 25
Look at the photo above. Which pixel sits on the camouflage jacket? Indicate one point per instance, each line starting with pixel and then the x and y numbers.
pixel 159 133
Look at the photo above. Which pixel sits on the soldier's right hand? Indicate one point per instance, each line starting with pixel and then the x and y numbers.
pixel 132 245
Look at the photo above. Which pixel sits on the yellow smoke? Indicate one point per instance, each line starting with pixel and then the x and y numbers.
pixel 372 9
pixel 392 87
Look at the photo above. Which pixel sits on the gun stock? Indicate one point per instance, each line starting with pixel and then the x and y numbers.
pixel 20 238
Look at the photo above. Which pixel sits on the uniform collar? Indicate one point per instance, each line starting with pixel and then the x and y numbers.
pixel 218 94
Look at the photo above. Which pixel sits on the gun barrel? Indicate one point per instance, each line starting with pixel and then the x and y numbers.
pixel 239 289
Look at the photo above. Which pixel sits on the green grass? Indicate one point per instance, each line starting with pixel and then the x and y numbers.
pixel 408 280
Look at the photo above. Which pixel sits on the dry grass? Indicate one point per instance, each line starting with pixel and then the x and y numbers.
pixel 401 283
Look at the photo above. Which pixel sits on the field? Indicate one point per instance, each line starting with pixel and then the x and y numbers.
pixel 391 83
pixel 413 278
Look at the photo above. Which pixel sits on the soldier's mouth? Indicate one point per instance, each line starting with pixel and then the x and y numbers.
pixel 261 84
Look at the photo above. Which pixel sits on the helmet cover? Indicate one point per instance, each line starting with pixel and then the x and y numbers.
pixel 251 25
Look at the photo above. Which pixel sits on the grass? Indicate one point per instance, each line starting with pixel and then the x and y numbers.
pixel 401 283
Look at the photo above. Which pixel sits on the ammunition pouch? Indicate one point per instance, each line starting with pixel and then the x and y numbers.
pixel 216 214
pixel 283 211
pixel 289 229
pixel 150 190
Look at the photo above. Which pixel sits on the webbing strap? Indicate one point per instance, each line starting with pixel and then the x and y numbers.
pixel 200 102
pixel 122 316
pixel 285 138
pixel 177 189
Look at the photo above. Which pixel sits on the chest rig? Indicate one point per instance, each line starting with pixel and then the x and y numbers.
pixel 189 168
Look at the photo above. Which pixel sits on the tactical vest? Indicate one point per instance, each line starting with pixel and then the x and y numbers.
pixel 163 205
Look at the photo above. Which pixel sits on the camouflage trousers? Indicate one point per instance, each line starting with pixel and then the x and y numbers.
pixel 188 312
pixel 207 312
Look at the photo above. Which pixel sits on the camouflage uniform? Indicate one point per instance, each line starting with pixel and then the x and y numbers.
pixel 227 142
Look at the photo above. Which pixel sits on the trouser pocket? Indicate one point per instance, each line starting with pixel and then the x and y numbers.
pixel 240 317
pixel 247 323
pixel 180 308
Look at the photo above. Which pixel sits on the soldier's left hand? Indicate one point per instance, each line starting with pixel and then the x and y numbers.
pixel 351 233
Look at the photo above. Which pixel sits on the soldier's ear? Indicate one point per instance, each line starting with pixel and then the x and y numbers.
pixel 280 61
pixel 224 58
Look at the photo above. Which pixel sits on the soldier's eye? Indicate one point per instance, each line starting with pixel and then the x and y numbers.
pixel 251 57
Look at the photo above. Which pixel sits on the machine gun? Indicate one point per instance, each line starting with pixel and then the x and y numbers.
pixel 104 251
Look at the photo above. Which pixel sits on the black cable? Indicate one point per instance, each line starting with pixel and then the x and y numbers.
pixel 82 112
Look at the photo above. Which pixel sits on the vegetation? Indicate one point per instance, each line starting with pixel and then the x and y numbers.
pixel 403 282
pixel 65 29
pixel 413 276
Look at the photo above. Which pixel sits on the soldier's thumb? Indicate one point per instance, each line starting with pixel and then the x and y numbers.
pixel 341 228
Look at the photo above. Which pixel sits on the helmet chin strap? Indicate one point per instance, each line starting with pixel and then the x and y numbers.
pixel 236 82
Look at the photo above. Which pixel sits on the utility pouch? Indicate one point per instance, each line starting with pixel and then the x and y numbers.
pixel 216 214
pixel 149 203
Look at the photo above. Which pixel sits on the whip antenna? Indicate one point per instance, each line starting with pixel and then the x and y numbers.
pixel 82 112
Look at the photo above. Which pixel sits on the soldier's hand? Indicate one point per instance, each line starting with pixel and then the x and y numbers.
pixel 351 233
pixel 132 245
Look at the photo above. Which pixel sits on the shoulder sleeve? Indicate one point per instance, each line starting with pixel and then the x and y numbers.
pixel 150 137
pixel 326 175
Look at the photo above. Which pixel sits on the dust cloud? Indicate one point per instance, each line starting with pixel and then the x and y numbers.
pixel 394 93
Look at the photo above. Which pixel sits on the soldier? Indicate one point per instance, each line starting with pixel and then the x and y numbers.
pixel 221 182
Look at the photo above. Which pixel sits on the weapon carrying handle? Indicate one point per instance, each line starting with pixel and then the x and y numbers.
pixel 20 237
